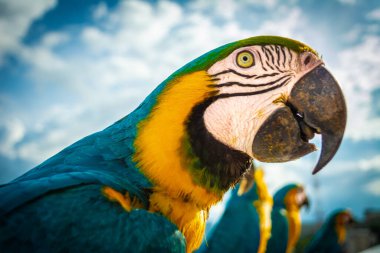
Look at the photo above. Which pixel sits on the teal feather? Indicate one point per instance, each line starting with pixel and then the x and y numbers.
pixel 278 241
pixel 326 239
pixel 279 233
pixel 79 219
pixel 238 230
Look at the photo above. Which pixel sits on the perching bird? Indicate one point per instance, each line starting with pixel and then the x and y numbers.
pixel 146 183
pixel 245 224
pixel 331 237
pixel 286 218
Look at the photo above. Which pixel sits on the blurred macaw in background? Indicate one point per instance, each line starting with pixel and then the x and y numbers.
pixel 245 224
pixel 331 237
pixel 286 218
pixel 147 182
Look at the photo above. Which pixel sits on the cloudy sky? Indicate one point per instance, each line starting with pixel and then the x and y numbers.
pixel 70 68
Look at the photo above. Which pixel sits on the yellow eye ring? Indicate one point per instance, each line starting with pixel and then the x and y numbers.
pixel 245 59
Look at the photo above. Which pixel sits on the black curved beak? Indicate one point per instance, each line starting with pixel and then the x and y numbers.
pixel 319 101
pixel 315 105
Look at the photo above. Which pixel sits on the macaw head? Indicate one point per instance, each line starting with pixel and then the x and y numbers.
pixel 338 221
pixel 291 197
pixel 270 96
pixel 343 217
pixel 260 98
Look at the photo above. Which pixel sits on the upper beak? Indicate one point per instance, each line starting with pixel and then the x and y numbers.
pixel 315 105
pixel 319 100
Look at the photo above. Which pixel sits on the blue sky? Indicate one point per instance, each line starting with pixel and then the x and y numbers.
pixel 70 68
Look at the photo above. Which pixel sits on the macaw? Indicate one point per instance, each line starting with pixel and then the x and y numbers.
pixel 245 224
pixel 146 183
pixel 286 218
pixel 331 237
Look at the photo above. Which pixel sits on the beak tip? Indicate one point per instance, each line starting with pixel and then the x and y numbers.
pixel 320 165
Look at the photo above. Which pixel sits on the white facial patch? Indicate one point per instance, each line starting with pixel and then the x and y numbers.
pixel 248 95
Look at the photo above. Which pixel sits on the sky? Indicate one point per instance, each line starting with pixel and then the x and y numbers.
pixel 71 68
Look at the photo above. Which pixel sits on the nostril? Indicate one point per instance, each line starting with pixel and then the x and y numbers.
pixel 307 60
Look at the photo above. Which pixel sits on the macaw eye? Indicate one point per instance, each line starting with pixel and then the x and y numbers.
pixel 245 59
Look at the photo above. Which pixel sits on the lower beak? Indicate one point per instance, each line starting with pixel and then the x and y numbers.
pixel 315 105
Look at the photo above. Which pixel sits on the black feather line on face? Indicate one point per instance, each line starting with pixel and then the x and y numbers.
pixel 244 75
pixel 222 166
pixel 228 95
pixel 227 84
pixel 235 72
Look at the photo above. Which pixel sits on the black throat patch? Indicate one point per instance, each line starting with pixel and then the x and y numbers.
pixel 213 164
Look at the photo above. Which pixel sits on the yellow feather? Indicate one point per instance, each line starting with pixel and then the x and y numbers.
pixel 161 158
pixel 294 220
pixel 340 229
pixel 264 209
pixel 190 220
pixel 116 196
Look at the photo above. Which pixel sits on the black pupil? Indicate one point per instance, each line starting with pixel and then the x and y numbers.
pixel 245 58
pixel 307 60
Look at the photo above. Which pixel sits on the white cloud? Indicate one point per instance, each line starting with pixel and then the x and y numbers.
pixel 374 15
pixel 13 131
pixel 373 187
pixel 100 11
pixel 368 164
pixel 289 24
pixel 350 2
pixel 359 74
pixel 16 16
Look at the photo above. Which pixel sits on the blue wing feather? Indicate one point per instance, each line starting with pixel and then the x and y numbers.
pixel 81 219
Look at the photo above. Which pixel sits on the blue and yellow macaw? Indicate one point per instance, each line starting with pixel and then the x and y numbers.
pixel 146 183
pixel 245 224
pixel 286 218
pixel 331 237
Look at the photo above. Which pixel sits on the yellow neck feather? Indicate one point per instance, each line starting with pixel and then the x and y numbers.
pixel 161 158
pixel 294 221
pixel 264 209
pixel 341 232
pixel 190 219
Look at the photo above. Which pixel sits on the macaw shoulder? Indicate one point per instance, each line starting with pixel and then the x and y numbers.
pixel 83 219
